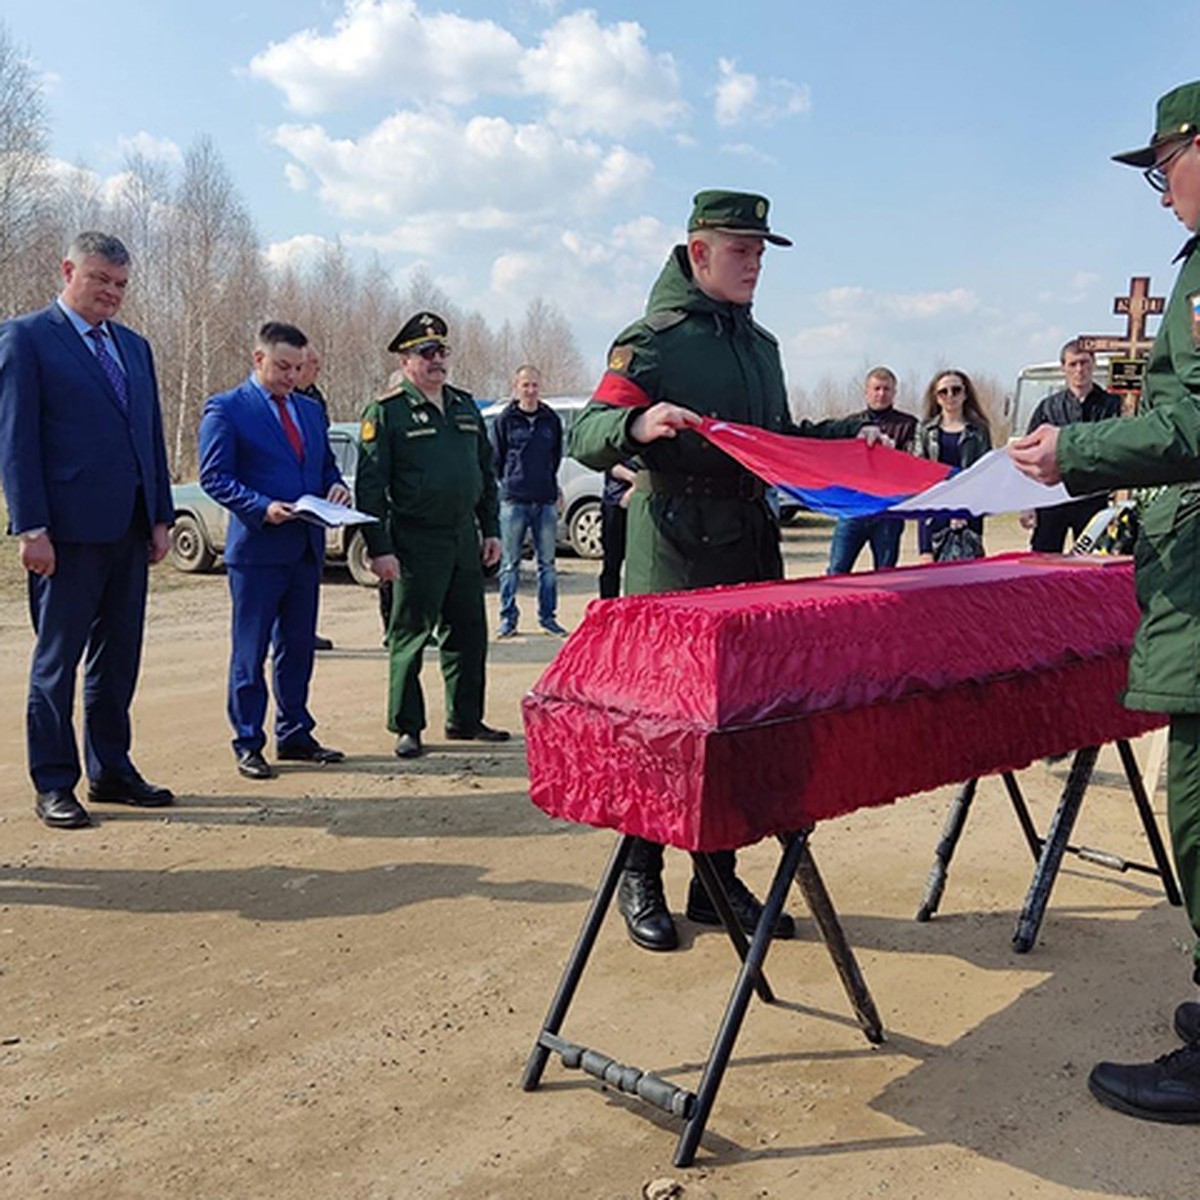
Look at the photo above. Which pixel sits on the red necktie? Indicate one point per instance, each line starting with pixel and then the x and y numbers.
pixel 289 427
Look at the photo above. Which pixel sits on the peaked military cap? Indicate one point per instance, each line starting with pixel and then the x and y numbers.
pixel 741 213
pixel 1177 116
pixel 425 329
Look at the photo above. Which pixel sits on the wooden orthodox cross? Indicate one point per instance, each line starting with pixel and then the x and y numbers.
pixel 1128 364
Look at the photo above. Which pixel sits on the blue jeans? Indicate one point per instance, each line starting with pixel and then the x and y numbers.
pixel 851 534
pixel 541 520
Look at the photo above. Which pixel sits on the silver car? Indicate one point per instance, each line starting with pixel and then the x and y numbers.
pixel 198 535
pixel 581 487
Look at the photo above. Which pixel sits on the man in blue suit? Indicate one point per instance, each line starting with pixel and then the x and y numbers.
pixel 85 476
pixel 262 447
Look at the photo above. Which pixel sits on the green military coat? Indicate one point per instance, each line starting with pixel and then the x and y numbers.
pixel 424 472
pixel 696 518
pixel 1161 445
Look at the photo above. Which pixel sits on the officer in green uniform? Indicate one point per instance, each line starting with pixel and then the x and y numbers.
pixel 696 518
pixel 425 470
pixel 1159 446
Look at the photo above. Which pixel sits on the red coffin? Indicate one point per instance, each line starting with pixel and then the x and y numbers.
pixel 710 719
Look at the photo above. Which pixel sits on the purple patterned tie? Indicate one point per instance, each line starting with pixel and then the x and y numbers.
pixel 109 366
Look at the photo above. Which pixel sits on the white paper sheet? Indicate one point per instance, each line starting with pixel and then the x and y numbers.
pixel 325 512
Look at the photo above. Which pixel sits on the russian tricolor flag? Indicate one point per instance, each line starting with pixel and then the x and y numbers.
pixel 846 478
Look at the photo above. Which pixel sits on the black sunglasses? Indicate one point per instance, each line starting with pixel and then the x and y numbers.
pixel 429 353
pixel 1156 176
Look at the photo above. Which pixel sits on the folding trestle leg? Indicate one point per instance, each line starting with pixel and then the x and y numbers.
pixel 956 819
pixel 1053 848
pixel 1162 864
pixel 735 1011
pixel 694 1108
pixel 572 972
pixel 825 915
pixel 1049 858
pixel 1032 838
pixel 716 891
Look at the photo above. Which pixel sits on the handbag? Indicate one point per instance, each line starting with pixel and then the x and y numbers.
pixel 954 544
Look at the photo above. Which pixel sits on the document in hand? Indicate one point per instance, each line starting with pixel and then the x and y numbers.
pixel 325 512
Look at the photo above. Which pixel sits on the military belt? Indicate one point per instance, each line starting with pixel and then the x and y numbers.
pixel 743 486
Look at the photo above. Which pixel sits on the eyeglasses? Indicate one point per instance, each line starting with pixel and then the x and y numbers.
pixel 1156 176
pixel 954 389
pixel 429 353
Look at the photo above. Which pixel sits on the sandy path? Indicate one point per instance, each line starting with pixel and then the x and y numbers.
pixel 326 985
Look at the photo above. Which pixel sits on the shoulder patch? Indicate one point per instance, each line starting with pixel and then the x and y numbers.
pixel 1194 305
pixel 620 358
pixel 367 430
pixel 664 319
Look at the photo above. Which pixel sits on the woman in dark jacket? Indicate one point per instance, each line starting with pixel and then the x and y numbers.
pixel 954 429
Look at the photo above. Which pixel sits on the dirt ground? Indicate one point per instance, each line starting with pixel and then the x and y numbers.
pixel 326 985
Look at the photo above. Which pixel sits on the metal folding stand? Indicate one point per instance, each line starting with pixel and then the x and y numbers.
pixel 1048 851
pixel 693 1108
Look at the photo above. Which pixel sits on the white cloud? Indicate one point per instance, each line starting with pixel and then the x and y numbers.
pixel 87 185
pixel 297 179
pixel 483 172
pixel 297 253
pixel 598 279
pixel 746 150
pixel 1077 287
pixel 390 47
pixel 741 98
pixel 864 303
pixel 592 78
pixel 736 92
pixel 153 149
pixel 822 339
pixel 602 79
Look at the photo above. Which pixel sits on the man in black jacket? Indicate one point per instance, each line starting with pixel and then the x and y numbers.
pixel 1081 400
pixel 528 441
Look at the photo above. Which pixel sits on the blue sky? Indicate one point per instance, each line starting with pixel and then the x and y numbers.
pixel 943 167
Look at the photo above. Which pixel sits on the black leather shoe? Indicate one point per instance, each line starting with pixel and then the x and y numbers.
pixel 745 904
pixel 312 752
pixel 408 745
pixel 128 787
pixel 59 809
pixel 644 907
pixel 322 643
pixel 481 733
pixel 1187 1021
pixel 252 765
pixel 1167 1089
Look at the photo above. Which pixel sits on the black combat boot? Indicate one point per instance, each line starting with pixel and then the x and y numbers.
pixel 745 904
pixel 1187 1021
pixel 1167 1089
pixel 644 907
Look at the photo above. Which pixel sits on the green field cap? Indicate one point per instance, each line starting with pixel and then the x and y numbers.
pixel 1177 116
pixel 740 213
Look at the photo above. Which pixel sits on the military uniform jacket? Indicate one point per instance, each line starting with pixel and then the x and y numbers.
pixel 698 503
pixel 1159 446
pixel 424 472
